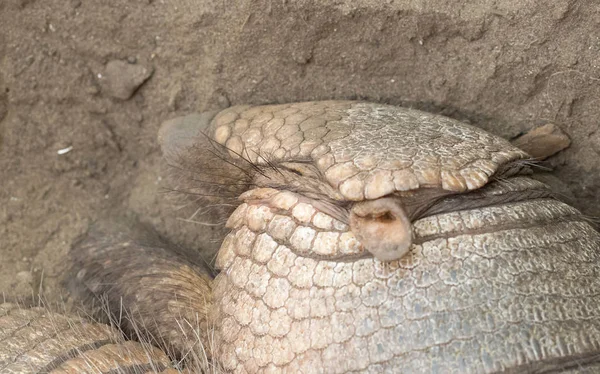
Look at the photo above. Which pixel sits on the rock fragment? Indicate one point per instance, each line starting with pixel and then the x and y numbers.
pixel 543 141
pixel 122 79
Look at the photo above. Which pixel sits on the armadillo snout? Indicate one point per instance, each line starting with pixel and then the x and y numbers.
pixel 382 227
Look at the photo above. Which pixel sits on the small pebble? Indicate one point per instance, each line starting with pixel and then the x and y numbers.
pixel 121 79
pixel 223 101
pixel 24 277
pixel 65 150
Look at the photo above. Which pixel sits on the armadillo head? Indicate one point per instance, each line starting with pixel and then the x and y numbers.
pixel 368 236
pixel 372 167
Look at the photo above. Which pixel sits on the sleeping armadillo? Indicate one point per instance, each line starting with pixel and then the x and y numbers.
pixel 372 238
pixel 35 340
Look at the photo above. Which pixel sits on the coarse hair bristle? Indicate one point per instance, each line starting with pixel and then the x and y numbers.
pixel 69 338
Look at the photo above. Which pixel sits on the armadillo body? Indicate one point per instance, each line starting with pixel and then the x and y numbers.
pixel 362 238
pixel 482 290
pixel 503 277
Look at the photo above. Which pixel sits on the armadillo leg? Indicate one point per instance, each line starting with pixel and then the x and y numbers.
pixel 152 293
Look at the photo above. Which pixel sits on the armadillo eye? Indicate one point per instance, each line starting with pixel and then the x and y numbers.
pixel 301 169
pixel 382 217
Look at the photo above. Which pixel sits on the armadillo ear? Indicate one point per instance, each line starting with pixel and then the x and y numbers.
pixel 178 134
pixel 382 227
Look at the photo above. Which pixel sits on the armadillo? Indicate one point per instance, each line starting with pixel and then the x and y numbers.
pixel 36 340
pixel 372 238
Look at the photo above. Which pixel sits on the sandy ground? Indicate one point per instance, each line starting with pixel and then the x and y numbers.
pixel 501 64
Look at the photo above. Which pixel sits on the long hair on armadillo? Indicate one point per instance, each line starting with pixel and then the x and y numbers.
pixel 209 177
pixel 206 176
